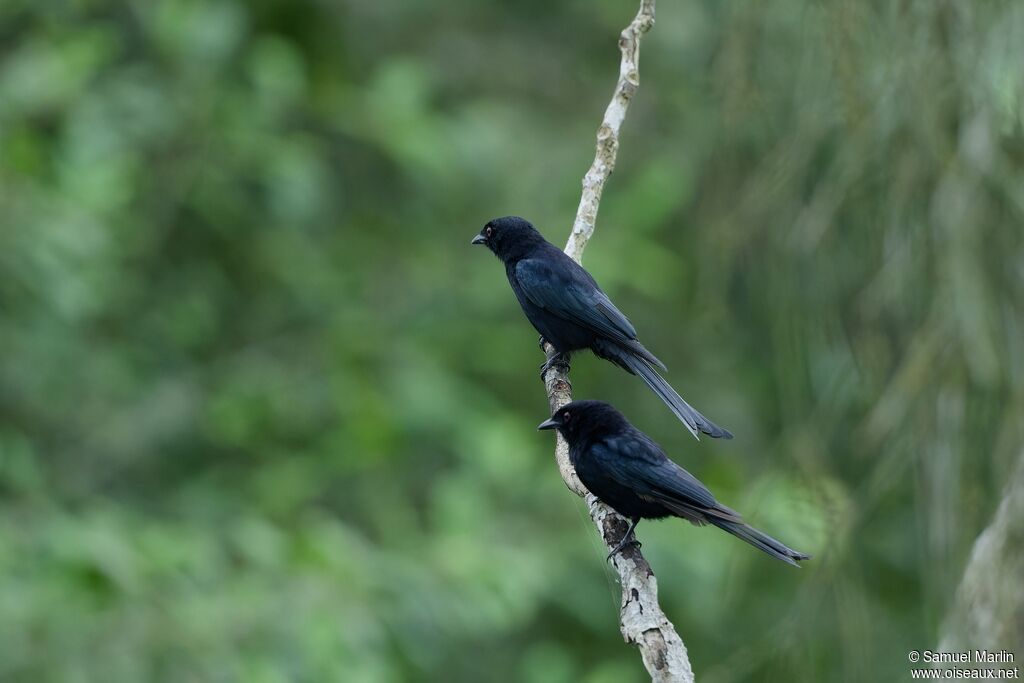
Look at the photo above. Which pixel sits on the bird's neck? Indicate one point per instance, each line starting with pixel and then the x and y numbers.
pixel 581 444
pixel 524 249
pixel 575 451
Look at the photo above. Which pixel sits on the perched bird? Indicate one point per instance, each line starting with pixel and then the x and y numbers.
pixel 625 469
pixel 571 312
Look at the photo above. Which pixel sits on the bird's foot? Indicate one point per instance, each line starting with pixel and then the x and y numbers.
pixel 628 538
pixel 626 541
pixel 560 360
pixel 541 341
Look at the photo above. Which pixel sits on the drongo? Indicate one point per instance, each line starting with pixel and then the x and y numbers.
pixel 625 468
pixel 571 312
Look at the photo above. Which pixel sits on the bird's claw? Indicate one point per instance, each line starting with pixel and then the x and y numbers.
pixel 628 538
pixel 631 540
pixel 541 341
pixel 557 359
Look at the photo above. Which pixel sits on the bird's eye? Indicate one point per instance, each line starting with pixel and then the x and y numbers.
pixel 566 416
pixel 488 231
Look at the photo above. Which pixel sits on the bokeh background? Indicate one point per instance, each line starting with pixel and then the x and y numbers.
pixel 266 416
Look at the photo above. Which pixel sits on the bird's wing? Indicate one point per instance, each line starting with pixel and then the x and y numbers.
pixel 566 290
pixel 636 462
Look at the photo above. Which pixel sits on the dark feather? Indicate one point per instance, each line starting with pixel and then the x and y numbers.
pixel 627 470
pixel 569 309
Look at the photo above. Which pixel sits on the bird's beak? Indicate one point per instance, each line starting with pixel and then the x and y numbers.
pixel 549 424
pixel 479 239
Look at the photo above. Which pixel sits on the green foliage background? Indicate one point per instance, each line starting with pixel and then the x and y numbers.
pixel 266 416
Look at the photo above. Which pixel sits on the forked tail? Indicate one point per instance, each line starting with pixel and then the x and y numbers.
pixel 638 365
pixel 760 540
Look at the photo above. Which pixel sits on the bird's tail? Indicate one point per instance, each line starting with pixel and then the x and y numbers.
pixel 759 540
pixel 639 365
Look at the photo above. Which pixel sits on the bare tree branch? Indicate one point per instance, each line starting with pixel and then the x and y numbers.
pixel 641 620
pixel 989 609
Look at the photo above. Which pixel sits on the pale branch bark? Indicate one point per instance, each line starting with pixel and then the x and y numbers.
pixel 608 133
pixel 641 619
pixel 988 611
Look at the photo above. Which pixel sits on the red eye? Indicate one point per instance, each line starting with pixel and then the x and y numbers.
pixel 488 231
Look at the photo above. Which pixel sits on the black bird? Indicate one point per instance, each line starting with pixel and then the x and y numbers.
pixel 571 312
pixel 625 469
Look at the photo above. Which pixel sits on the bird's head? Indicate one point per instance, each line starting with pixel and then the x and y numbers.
pixel 510 237
pixel 580 419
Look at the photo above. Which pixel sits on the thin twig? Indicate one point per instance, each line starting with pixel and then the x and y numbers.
pixel 641 619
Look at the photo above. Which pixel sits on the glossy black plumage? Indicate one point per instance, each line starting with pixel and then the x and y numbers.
pixel 627 470
pixel 565 304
